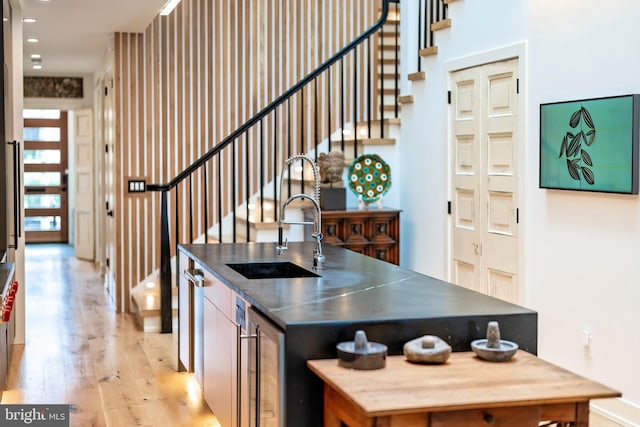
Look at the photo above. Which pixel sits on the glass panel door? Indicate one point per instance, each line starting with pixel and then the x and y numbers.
pixel 45 176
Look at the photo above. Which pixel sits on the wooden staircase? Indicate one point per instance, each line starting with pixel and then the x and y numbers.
pixel 426 52
pixel 372 136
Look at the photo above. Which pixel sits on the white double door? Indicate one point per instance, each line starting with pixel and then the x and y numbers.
pixel 484 153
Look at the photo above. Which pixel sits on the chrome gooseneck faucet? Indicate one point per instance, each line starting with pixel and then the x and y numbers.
pixel 318 257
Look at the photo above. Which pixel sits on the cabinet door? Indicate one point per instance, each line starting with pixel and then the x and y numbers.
pixel 220 365
pixel 185 318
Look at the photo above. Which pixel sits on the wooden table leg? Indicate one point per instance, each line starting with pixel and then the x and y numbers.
pixel 338 410
pixel 330 418
pixel 582 414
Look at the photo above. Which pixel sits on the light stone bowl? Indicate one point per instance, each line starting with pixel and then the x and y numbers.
pixel 502 353
pixel 427 349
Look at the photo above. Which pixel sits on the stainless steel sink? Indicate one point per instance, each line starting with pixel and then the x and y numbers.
pixel 271 270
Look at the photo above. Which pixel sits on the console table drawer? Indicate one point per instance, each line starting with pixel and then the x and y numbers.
pixel 524 416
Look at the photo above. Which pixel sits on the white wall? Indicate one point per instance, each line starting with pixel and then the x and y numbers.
pixel 580 267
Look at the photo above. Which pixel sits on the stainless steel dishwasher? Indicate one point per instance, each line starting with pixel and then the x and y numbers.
pixel 266 372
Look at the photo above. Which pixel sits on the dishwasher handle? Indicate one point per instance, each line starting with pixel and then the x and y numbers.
pixel 239 358
pixel 195 276
pixel 258 373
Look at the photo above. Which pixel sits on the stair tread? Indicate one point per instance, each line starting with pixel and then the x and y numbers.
pixel 440 25
pixel 429 51
pixel 148 302
pixel 419 75
pixel 405 99
pixel 372 141
pixel 389 76
pixel 387 121
pixel 267 224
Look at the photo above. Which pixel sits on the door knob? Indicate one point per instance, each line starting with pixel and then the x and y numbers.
pixel 110 213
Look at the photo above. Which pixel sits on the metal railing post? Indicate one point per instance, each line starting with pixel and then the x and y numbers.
pixel 166 313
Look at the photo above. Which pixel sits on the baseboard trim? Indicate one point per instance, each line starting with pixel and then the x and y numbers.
pixel 618 411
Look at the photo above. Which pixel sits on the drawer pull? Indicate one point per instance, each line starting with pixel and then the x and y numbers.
pixel 488 418
pixel 195 276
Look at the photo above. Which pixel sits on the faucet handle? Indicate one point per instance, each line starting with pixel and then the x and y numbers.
pixel 318 259
pixel 280 249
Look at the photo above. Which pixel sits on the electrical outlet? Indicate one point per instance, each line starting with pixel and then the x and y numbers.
pixel 586 342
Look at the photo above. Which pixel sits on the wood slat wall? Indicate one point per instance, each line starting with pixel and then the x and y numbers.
pixel 195 76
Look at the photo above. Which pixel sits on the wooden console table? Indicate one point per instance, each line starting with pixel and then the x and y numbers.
pixel 464 392
pixel 373 232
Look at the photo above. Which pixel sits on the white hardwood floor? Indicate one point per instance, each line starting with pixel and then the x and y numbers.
pixel 78 351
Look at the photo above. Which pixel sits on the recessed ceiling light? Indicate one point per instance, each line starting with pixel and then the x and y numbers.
pixel 32 40
pixel 37 67
pixel 36 56
pixel 29 20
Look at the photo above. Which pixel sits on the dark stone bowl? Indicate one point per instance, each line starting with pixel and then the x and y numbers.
pixel 375 356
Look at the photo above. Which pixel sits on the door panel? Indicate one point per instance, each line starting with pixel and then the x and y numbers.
pixel 108 195
pixel 466 180
pixel 84 198
pixel 484 179
pixel 500 240
pixel 45 176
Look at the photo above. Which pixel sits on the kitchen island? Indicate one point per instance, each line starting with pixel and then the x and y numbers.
pixel 353 291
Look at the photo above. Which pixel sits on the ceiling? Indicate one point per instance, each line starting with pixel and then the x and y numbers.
pixel 74 35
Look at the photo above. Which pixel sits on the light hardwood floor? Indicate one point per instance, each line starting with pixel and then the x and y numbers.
pixel 78 351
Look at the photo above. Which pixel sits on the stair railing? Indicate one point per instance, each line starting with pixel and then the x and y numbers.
pixel 261 156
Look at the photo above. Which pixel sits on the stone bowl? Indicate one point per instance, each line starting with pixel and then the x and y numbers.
pixel 428 349
pixel 504 352
pixel 373 356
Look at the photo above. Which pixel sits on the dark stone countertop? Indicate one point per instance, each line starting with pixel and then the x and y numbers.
pixel 352 287
pixel 354 292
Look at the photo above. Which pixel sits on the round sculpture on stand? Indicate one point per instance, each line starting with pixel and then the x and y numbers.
pixel 369 178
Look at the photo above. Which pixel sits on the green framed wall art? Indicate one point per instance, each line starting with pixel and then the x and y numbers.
pixel 590 144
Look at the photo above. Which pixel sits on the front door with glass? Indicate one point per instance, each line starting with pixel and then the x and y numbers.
pixel 45 176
